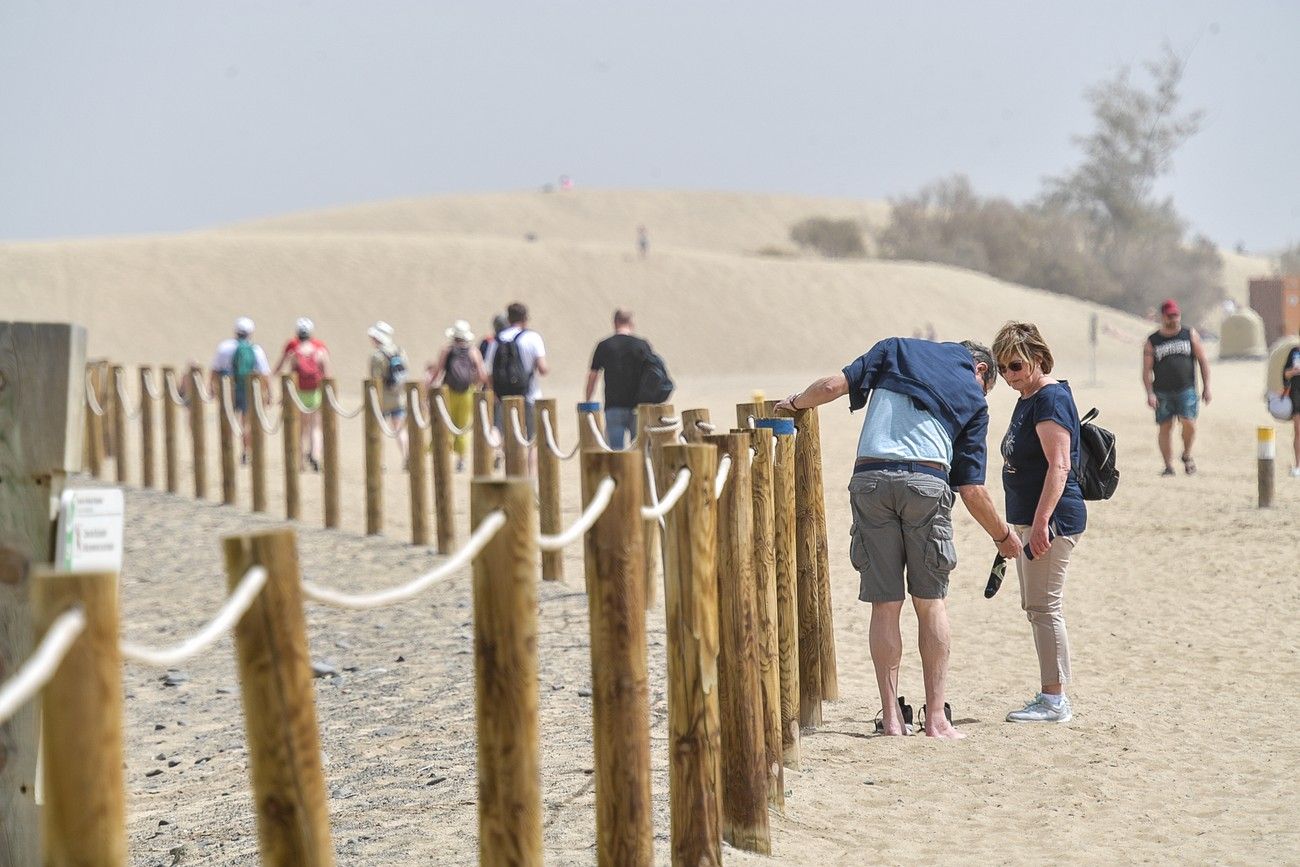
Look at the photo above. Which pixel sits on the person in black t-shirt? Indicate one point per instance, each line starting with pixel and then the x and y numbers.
pixel 622 357
pixel 1170 358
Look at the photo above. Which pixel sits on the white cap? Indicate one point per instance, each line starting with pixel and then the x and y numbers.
pixel 243 326
pixel 381 331
pixel 305 326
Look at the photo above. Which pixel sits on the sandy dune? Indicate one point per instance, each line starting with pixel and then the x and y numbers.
pixel 1178 602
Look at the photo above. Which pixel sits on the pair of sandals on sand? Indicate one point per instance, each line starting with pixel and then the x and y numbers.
pixel 905 710
pixel 1189 467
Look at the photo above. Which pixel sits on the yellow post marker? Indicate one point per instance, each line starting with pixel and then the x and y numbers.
pixel 1266 439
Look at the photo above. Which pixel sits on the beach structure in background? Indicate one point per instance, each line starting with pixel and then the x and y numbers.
pixel 1242 336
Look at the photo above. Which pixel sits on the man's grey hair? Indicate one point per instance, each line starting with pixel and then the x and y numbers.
pixel 981 353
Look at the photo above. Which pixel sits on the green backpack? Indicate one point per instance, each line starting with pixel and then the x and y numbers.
pixel 243 365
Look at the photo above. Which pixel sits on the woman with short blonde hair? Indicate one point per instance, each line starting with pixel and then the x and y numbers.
pixel 1044 502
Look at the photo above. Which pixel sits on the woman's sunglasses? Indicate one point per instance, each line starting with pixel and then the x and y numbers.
pixel 1014 367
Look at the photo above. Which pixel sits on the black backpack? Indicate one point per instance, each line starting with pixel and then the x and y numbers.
pixel 1097 472
pixel 656 386
pixel 509 377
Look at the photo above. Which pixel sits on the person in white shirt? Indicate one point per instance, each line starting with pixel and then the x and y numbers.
pixel 241 359
pixel 518 340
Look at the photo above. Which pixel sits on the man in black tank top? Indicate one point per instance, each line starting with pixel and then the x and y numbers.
pixel 1170 358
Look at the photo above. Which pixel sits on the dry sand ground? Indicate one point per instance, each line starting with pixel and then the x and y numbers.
pixel 1180 598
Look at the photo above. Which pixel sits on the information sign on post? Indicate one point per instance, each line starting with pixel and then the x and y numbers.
pixel 89 537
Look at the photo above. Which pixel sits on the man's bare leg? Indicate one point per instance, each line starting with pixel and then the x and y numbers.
pixel 934 639
pixel 886 642
pixel 1189 436
pixel 1166 440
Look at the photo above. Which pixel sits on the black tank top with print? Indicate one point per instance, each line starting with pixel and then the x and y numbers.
pixel 1175 366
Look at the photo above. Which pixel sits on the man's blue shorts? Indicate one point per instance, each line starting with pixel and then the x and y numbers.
pixel 1184 404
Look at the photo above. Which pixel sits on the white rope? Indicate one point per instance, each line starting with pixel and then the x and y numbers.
pixel 173 393
pixel 333 401
pixel 123 402
pixel 724 472
pixel 516 428
pixel 671 496
pixel 417 415
pixel 599 502
pixel 549 433
pixel 202 390
pixel 258 411
pixel 150 387
pixel 706 427
pixel 672 424
pixel 441 405
pixel 490 433
pixel 292 391
pixel 372 397
pixel 595 432
pixel 234 608
pixel 753 453
pixel 41 665
pixel 92 399
pixel 482 534
pixel 650 485
pixel 229 410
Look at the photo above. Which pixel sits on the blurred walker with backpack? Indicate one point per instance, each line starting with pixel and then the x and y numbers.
pixel 241 360
pixel 460 367
pixel 516 360
pixel 388 370
pixel 308 359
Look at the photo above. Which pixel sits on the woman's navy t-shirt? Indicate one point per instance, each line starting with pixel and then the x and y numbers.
pixel 1025 469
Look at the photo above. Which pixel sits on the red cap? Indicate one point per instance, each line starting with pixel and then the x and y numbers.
pixel 1170 308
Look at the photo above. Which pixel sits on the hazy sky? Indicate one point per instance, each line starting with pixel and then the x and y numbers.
pixel 136 116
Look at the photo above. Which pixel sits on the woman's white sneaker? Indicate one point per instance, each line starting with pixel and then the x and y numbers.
pixel 1041 709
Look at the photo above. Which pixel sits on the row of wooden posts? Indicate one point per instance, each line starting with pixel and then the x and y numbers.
pixel 747 606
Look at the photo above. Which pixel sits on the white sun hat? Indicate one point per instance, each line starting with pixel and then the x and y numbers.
pixel 243 326
pixel 459 330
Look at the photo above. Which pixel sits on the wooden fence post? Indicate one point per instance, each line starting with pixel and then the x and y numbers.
pixel 691 616
pixel 147 478
pixel 483 452
pixel 258 449
pixel 650 443
pixel 692 419
pixel 226 432
pixel 289 795
pixel 85 813
pixel 505 669
pixel 444 504
pixel 744 775
pixel 291 438
pixel 548 488
pixel 620 693
pixel 329 427
pixel 374 460
pixel 810 669
pixel 198 435
pixel 585 436
pixel 417 466
pixel 811 435
pixel 512 408
pixel 120 450
pixel 787 593
pixel 769 655
pixel 42 397
pixel 171 464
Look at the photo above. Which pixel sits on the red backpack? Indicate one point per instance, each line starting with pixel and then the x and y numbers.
pixel 307 364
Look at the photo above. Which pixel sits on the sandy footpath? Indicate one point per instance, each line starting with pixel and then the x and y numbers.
pixel 1179 604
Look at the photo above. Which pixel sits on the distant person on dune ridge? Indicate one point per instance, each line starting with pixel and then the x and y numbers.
pixel 1170 357
pixel 242 360
pixel 461 368
pixel 923 435
pixel 309 361
pixel 1044 503
pixel 622 357
pixel 642 241
pixel 388 366
pixel 515 361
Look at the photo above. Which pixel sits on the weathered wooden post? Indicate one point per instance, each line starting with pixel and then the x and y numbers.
pixel 329 427
pixel 514 425
pixel 696 425
pixel 482 449
pixel 85 813
pixel 811 436
pixel 653 433
pixel 226 435
pixel 810 668
pixel 444 504
pixel 588 417
pixel 620 693
pixel 171 463
pixel 505 668
pixel 691 617
pixel 146 429
pixel 787 592
pixel 374 460
pixel 744 775
pixel 198 435
pixel 291 439
pixel 257 440
pixel 417 466
pixel 548 488
pixel 275 676
pixel 120 450
pixel 42 376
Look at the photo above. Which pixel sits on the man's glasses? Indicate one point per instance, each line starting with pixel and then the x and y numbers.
pixel 1014 367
